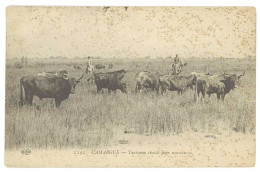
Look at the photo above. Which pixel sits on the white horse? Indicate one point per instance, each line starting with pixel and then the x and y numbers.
pixel 177 67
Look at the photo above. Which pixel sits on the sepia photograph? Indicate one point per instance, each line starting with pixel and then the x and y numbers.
pixel 130 86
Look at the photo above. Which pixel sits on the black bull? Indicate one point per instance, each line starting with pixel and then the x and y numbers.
pixel 99 66
pixel 110 81
pixel 55 87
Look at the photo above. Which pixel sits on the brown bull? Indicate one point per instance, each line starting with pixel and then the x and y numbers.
pixel 220 84
pixel 175 83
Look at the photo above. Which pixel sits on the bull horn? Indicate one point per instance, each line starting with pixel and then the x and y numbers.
pixel 241 74
pixel 80 78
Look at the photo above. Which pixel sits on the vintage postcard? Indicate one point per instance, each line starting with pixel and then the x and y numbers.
pixel 130 87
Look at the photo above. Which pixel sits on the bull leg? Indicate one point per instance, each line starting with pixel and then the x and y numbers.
pixel 222 97
pixel 98 89
pixel 157 90
pixel 28 98
pixel 160 90
pixel 218 96
pixel 57 102
pixel 26 95
pixel 137 87
pixel 196 95
pixel 203 95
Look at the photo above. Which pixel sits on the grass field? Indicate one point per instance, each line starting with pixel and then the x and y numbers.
pixel 88 119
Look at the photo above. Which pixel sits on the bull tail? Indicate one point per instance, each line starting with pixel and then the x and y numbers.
pixel 21 92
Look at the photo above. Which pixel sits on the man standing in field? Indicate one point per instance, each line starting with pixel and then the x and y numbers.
pixel 89 62
pixel 90 67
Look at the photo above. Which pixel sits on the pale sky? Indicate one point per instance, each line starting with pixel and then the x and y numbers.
pixel 133 33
